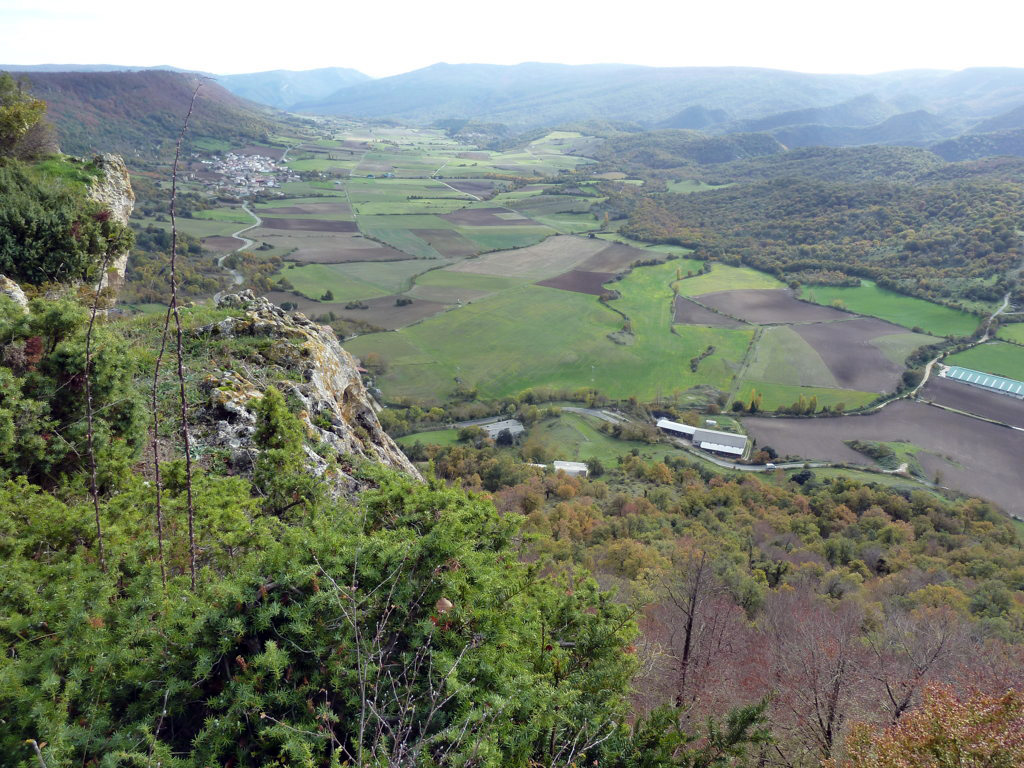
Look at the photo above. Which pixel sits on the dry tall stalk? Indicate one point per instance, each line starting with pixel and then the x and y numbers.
pixel 173 309
pixel 93 487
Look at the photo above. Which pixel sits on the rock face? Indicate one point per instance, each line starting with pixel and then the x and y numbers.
pixel 114 191
pixel 11 289
pixel 337 409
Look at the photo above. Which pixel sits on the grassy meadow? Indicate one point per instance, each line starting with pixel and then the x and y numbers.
pixel 908 311
pixel 996 357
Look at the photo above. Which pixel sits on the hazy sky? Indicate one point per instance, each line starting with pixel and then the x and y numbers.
pixel 385 38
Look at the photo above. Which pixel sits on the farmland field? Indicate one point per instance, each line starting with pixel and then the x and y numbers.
pixel 690 313
pixel 236 215
pixel 434 437
pixel 767 306
pixel 783 357
pixel 962 397
pixel 327 247
pixel 774 395
pixel 986 460
pixel 996 357
pixel 1014 333
pixel 722 277
pixel 532 336
pixel 910 312
pixel 312 280
pixel 552 257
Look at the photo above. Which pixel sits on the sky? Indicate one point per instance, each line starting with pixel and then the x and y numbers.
pixel 387 38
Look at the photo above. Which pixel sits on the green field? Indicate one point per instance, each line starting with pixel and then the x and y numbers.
pixel 467 281
pixel 1014 333
pixel 531 336
pixel 402 240
pixel 898 346
pixel 389 276
pixel 910 312
pixel 996 357
pixel 722 277
pixel 236 215
pixel 569 223
pixel 774 395
pixel 198 228
pixel 312 280
pixel 783 357
pixel 434 437
pixel 572 437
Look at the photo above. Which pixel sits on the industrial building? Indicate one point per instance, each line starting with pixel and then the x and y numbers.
pixel 989 381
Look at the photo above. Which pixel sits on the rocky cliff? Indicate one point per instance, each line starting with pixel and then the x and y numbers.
pixel 113 190
pixel 307 362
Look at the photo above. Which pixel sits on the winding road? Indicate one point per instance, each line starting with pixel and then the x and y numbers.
pixel 236 277
pixel 912 394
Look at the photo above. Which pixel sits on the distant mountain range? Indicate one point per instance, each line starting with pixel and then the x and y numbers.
pixel 914 108
pixel 284 89
pixel 963 115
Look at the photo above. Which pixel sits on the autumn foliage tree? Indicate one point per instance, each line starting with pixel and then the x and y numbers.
pixel 948 731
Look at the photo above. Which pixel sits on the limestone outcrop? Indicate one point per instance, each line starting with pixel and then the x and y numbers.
pixel 13 291
pixel 306 361
pixel 114 191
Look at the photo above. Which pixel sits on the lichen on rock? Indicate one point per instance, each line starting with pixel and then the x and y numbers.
pixel 337 411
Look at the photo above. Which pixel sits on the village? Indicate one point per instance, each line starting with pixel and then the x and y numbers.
pixel 244 175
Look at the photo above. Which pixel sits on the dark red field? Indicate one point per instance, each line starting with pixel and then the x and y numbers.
pixel 485 217
pixel 447 242
pixel 617 257
pixel 766 306
pixel 309 225
pixel 221 244
pixel 846 348
pixel 689 312
pixel 974 457
pixel 963 397
pixel 579 281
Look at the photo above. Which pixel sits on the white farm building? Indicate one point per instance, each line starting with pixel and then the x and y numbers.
pixel 572 468
pixel 710 440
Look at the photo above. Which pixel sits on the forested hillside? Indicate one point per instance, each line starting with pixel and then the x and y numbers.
pixel 137 112
pixel 897 216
